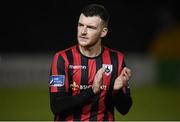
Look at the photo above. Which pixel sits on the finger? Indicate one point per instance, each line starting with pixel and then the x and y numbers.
pixel 99 75
pixel 124 90
pixel 101 71
pixel 124 80
pixel 127 71
pixel 125 74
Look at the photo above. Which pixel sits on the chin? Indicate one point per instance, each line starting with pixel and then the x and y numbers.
pixel 83 43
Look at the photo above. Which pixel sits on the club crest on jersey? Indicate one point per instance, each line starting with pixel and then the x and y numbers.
pixel 57 80
pixel 74 86
pixel 108 68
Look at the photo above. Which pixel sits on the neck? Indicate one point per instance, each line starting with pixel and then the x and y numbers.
pixel 90 52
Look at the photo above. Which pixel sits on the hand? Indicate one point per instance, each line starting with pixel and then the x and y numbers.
pixel 120 81
pixel 98 80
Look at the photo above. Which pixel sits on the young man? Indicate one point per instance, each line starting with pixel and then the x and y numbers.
pixel 88 80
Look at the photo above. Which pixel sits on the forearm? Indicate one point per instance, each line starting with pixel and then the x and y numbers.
pixel 122 101
pixel 64 104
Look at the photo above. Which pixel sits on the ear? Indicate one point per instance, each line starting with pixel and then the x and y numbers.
pixel 104 32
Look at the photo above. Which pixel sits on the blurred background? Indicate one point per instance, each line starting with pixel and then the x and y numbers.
pixel 147 32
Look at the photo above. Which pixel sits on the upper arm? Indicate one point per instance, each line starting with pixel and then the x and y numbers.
pixel 58 81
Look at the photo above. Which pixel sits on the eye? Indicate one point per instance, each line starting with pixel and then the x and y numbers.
pixel 92 27
pixel 80 24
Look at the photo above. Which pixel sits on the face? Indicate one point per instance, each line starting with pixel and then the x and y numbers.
pixel 90 30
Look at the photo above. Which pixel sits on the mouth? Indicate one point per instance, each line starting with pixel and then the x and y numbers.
pixel 83 37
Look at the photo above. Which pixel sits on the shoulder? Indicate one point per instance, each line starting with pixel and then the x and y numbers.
pixel 114 51
pixel 64 51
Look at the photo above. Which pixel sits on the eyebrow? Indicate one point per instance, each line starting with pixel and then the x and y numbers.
pixel 89 26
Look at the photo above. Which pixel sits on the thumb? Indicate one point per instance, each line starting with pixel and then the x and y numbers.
pixel 99 74
pixel 101 71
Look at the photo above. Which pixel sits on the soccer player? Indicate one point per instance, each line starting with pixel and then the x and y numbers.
pixel 88 80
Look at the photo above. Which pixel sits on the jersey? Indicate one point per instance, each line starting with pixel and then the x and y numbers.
pixel 71 78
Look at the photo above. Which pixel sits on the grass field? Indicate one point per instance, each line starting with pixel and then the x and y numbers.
pixel 154 103
pixel 149 103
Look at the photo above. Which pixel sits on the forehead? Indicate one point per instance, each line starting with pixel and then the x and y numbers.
pixel 94 20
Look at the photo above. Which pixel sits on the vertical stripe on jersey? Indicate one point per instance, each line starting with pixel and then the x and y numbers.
pixel 84 82
pixel 66 63
pixel 95 101
pixel 106 79
pixel 77 71
pixel 91 70
pixel 120 61
pixel 54 65
pixel 54 72
pixel 70 72
pixel 60 65
pixel 110 106
pixel 91 74
pixel 77 77
pixel 61 71
pixel 114 60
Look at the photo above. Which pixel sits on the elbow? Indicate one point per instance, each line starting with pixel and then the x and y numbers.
pixel 56 105
pixel 54 110
pixel 124 109
pixel 124 112
pixel 57 111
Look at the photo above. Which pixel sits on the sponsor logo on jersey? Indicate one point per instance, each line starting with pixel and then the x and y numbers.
pixel 74 86
pixel 57 80
pixel 108 68
pixel 77 67
pixel 84 87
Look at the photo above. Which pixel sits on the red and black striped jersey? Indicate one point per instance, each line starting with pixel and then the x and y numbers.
pixel 71 78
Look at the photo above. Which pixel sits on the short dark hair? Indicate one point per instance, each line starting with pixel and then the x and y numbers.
pixel 96 10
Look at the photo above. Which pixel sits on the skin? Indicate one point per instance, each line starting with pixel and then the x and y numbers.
pixel 90 32
pixel 120 81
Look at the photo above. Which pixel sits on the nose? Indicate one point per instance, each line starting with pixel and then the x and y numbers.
pixel 84 30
